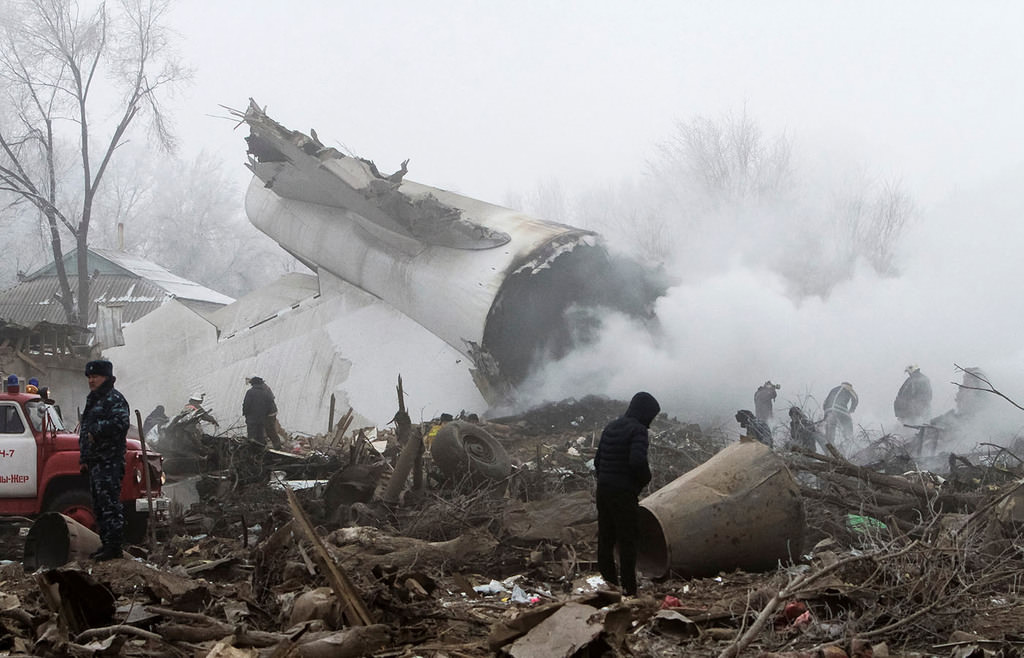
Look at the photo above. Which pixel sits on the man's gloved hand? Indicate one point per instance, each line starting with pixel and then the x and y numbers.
pixel 83 469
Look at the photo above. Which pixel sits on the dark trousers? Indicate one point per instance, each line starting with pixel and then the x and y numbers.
pixel 105 486
pixel 260 431
pixel 617 526
pixel 256 430
pixel 842 421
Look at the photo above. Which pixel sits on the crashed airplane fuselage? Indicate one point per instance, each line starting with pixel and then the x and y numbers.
pixel 498 286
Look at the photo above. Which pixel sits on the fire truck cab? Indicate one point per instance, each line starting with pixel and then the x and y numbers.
pixel 39 469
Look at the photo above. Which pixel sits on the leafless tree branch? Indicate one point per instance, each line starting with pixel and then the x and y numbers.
pixel 988 388
pixel 54 57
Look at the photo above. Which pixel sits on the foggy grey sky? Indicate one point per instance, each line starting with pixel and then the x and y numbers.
pixel 491 97
pixel 488 98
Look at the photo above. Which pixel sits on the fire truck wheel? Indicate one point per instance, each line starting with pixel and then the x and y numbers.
pixel 76 503
pixel 462 448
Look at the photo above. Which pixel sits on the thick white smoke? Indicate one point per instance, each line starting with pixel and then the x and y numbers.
pixel 720 336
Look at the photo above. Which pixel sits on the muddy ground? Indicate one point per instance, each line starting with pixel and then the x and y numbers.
pixel 891 564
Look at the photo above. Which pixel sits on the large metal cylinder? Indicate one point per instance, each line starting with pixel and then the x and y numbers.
pixel 741 509
pixel 449 291
pixel 55 539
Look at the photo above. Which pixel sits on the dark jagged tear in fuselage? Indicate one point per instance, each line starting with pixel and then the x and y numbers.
pixel 543 313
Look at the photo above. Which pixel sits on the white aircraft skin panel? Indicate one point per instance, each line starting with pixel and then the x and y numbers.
pixel 337 242
pixel 528 233
pixel 328 238
pixel 344 342
pixel 261 304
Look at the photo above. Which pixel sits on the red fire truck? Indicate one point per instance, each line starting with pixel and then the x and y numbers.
pixel 39 469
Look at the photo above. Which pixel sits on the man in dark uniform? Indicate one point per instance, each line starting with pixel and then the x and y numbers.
pixel 764 397
pixel 622 472
pixel 914 399
pixel 257 405
pixel 101 441
pixel 840 403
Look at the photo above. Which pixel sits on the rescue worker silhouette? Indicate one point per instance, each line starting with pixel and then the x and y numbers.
pixel 195 404
pixel 839 405
pixel 156 419
pixel 971 396
pixel 802 432
pixel 755 427
pixel 622 472
pixel 47 395
pixel 914 399
pixel 258 406
pixel 764 399
pixel 101 440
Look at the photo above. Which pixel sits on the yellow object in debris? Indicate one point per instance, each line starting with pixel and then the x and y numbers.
pixel 428 438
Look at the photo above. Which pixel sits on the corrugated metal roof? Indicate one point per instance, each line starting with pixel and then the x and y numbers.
pixel 120 263
pixel 135 283
pixel 36 301
pixel 178 287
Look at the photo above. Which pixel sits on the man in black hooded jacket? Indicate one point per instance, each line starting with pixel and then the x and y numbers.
pixel 622 472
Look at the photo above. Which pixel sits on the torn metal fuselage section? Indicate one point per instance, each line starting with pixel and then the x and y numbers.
pixel 502 288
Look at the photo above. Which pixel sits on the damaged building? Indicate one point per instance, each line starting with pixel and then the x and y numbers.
pixel 460 297
pixel 36 340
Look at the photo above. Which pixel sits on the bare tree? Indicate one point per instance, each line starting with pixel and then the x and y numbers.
pixel 725 161
pixel 628 221
pixel 889 210
pixel 192 223
pixel 723 188
pixel 186 216
pixel 55 60
pixel 548 200
pixel 719 189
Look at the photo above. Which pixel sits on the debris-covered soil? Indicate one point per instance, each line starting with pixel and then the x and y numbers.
pixel 894 562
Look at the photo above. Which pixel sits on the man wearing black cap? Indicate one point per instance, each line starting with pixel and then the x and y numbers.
pixel 257 406
pixel 622 472
pixel 101 441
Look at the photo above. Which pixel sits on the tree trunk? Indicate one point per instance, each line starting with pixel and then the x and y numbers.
pixel 82 302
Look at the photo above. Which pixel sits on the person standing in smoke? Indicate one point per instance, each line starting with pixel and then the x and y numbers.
pixel 755 427
pixel 972 394
pixel 764 398
pixel 914 399
pixel 839 405
pixel 802 432
pixel 622 472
